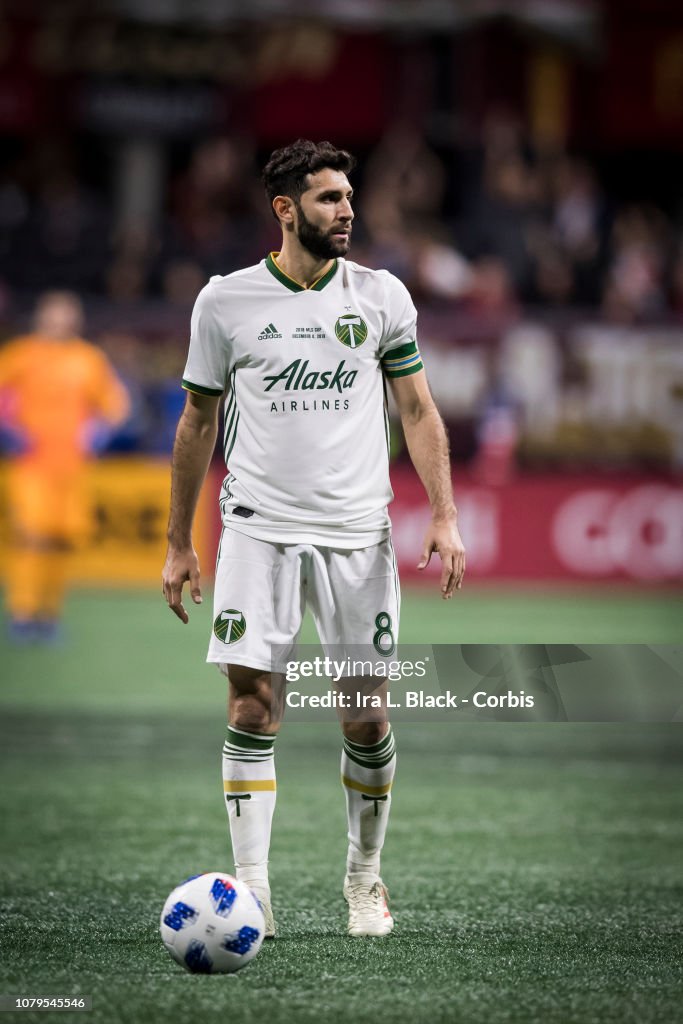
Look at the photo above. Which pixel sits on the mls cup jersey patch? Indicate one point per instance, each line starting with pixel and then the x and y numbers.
pixel 303 374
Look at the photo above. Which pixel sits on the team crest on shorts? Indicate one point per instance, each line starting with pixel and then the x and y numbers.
pixel 230 626
pixel 351 330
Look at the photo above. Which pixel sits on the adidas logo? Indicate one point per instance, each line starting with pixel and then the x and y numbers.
pixel 268 332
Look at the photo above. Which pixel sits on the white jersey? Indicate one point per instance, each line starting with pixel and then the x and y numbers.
pixel 302 370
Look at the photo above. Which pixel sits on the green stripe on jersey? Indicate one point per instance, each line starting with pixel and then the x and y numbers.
pixel 409 349
pixel 231 419
pixel 325 279
pixel 198 389
pixel 293 285
pixel 406 371
pixel 402 361
pixel 288 282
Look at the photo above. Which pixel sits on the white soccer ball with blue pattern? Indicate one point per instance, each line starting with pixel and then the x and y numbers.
pixel 212 924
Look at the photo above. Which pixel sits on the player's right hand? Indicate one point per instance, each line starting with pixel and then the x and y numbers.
pixel 181 566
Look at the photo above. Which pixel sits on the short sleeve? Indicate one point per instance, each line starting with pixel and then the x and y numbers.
pixel 206 368
pixel 398 349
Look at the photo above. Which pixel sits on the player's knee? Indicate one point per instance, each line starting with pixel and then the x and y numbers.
pixel 250 715
pixel 254 706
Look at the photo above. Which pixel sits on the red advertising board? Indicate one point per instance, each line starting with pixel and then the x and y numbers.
pixel 553 528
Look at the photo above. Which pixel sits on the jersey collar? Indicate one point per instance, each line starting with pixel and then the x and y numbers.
pixel 293 285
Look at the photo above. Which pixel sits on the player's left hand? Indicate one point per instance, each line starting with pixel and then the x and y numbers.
pixel 443 537
pixel 181 566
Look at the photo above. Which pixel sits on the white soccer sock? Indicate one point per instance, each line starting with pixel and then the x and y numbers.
pixel 249 788
pixel 367 774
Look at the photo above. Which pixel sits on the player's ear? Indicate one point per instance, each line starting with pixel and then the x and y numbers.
pixel 284 209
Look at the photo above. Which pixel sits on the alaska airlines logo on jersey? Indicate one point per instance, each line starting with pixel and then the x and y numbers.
pixel 351 330
pixel 269 333
pixel 230 626
pixel 297 377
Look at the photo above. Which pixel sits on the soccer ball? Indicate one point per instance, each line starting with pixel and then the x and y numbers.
pixel 212 924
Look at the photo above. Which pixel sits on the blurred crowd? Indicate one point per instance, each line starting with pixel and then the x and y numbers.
pixel 505 226
pixel 540 293
pixel 488 227
pixel 59 227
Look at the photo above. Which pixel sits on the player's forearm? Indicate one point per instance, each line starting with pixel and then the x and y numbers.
pixel 194 444
pixel 428 447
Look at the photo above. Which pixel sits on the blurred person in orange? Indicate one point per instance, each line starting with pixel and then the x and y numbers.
pixel 60 400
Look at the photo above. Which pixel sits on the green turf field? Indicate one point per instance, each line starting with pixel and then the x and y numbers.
pixel 124 648
pixel 534 869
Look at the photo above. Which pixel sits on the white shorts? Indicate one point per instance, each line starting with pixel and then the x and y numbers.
pixel 262 590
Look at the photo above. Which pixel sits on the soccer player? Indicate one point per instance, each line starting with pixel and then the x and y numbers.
pixel 59 397
pixel 301 345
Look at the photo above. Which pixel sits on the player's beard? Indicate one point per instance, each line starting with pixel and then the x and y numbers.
pixel 321 243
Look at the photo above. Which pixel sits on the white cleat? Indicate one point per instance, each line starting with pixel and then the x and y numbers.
pixel 368 910
pixel 262 894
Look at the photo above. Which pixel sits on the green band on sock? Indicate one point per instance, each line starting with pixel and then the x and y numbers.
pixel 374 755
pixel 371 748
pixel 249 740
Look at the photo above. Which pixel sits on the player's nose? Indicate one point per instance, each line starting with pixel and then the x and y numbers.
pixel 345 211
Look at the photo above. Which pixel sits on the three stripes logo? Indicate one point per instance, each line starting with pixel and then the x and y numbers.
pixel 269 333
pixel 230 626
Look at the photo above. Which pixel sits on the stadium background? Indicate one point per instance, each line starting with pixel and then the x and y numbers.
pixel 520 169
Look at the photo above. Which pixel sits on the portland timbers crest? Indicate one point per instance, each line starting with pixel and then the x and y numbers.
pixel 351 330
pixel 230 626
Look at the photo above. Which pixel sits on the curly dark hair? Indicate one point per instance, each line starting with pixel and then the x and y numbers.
pixel 287 169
